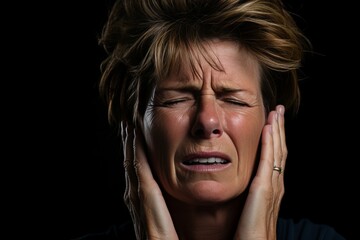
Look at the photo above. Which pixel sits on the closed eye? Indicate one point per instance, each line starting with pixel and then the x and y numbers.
pixel 173 102
pixel 235 102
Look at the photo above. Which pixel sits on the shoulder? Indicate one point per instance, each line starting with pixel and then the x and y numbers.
pixel 123 231
pixel 304 229
pixel 287 229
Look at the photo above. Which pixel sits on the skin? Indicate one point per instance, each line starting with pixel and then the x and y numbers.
pixel 217 114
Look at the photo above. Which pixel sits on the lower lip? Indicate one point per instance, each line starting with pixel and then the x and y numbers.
pixel 206 168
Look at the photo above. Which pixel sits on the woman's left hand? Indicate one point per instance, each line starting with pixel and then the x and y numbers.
pixel 260 214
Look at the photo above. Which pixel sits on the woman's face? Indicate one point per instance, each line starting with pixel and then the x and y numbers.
pixel 202 131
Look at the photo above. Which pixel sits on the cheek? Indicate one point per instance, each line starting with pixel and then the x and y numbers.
pixel 245 132
pixel 164 130
pixel 247 123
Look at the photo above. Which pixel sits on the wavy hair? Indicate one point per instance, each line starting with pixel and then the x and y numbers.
pixel 146 40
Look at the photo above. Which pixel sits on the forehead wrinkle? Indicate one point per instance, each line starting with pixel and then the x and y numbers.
pixel 200 57
pixel 198 71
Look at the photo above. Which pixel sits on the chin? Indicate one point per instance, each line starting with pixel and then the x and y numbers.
pixel 211 192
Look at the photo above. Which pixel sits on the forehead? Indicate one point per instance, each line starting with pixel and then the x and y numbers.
pixel 222 62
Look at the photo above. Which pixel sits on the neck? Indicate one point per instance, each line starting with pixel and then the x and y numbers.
pixel 211 222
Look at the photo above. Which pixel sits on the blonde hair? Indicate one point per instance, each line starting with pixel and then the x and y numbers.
pixel 145 40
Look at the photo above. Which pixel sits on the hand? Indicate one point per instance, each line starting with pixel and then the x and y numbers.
pixel 143 196
pixel 259 216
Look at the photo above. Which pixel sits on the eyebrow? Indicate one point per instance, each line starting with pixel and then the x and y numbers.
pixel 192 88
pixel 231 90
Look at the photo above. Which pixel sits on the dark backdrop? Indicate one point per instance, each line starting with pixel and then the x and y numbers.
pixel 73 172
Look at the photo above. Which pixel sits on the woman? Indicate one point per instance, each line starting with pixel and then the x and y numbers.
pixel 199 91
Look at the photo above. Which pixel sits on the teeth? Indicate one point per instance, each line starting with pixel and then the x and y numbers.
pixel 210 160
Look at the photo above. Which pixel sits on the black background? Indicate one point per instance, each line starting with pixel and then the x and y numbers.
pixel 67 178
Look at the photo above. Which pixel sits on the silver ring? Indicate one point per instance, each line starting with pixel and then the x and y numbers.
pixel 278 169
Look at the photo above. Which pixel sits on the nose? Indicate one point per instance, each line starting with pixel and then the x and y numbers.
pixel 207 123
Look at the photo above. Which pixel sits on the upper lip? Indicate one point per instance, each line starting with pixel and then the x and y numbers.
pixel 192 156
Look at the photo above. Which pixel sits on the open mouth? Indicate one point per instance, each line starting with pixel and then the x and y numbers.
pixel 205 161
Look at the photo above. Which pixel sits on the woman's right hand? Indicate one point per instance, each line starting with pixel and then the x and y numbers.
pixel 143 196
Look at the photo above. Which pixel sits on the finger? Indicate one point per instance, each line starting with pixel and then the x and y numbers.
pixel 128 149
pixel 277 158
pixel 131 183
pixel 123 132
pixel 265 167
pixel 141 164
pixel 281 120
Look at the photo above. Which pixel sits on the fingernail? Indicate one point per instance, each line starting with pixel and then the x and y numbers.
pixel 281 109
